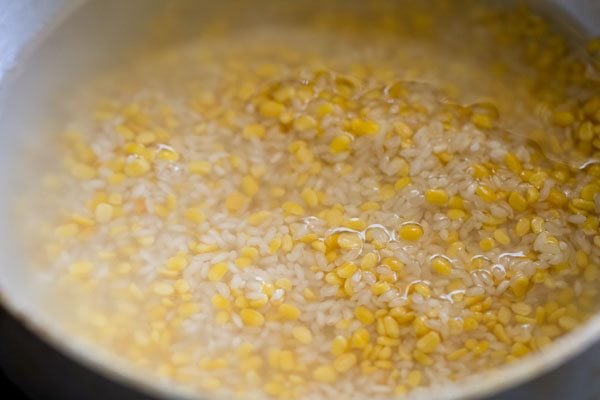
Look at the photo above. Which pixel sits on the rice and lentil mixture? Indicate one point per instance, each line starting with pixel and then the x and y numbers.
pixel 319 209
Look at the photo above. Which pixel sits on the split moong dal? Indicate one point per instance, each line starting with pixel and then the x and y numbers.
pixel 365 201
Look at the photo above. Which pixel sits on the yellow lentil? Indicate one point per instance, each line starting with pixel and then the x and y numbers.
pixel 364 315
pixel 410 232
pixel 436 196
pixel 441 265
pixel 302 334
pixel 325 373
pixel 288 311
pixel 252 317
pixel 217 271
pixel 344 362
